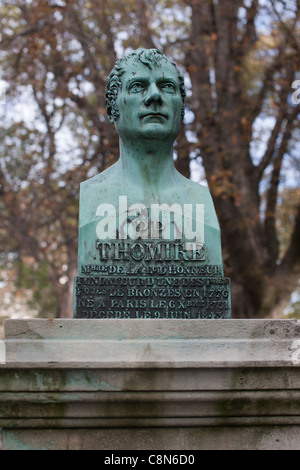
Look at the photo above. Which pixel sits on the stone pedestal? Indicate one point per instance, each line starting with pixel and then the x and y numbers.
pixel 151 384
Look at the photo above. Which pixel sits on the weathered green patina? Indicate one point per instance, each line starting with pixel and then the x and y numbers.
pixel 141 219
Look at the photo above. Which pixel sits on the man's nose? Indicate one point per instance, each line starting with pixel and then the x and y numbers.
pixel 153 95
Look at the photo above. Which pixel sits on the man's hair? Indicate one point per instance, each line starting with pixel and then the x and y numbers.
pixel 149 57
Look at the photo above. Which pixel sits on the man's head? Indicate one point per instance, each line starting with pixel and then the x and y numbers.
pixel 151 58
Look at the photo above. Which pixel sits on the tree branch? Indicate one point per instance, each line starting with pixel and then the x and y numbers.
pixel 249 36
pixel 268 155
pixel 292 255
pixel 283 113
pixel 270 216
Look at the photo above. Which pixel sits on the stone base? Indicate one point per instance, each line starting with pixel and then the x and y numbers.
pixel 151 384
pixel 181 439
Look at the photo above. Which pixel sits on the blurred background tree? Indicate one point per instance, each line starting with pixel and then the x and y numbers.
pixel 240 135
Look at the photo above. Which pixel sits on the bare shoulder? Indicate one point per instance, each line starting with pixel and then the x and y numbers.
pixel 95 191
pixel 196 193
pixel 196 190
pixel 106 176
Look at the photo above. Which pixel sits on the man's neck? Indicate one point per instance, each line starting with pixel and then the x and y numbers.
pixel 149 165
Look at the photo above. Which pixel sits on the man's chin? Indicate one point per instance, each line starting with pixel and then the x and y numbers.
pixel 156 131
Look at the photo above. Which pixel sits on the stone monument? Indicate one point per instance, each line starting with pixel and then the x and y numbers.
pixel 149 239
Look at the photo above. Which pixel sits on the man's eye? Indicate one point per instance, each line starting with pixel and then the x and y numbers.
pixel 136 87
pixel 169 87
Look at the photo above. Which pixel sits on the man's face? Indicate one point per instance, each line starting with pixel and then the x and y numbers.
pixel 149 103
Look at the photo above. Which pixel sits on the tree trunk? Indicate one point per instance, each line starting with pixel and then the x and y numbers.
pixel 224 125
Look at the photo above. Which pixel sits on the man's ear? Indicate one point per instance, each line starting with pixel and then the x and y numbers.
pixel 113 114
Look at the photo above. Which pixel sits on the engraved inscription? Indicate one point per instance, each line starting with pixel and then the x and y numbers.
pixel 149 251
pixel 152 297
pixel 169 270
